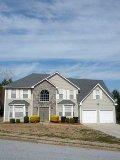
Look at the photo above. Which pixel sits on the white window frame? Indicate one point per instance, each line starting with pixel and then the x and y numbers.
pixel 12 97
pixel 27 93
pixel 63 110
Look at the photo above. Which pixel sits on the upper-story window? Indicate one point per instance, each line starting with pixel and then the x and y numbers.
pixel 97 94
pixel 13 93
pixel 71 94
pixel 25 93
pixel 44 95
pixel 60 94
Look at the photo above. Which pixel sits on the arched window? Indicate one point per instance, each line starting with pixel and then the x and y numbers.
pixel 44 95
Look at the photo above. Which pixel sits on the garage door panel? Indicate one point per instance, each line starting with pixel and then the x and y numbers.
pixel 89 116
pixel 106 116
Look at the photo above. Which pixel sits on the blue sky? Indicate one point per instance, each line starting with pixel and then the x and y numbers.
pixel 79 38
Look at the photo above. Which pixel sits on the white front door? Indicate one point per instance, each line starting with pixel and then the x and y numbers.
pixel 89 116
pixel 106 116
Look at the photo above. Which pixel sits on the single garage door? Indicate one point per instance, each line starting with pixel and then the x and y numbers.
pixel 106 116
pixel 89 116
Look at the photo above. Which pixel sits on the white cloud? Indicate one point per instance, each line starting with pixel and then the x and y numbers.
pixel 63 29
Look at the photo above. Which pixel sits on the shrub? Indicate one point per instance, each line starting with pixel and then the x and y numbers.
pixel 72 120
pixel 34 119
pixel 76 119
pixel 26 119
pixel 63 119
pixel 12 120
pixel 17 120
pixel 54 118
pixel 68 120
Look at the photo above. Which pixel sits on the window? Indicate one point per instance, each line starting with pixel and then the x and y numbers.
pixel 11 111
pixel 97 94
pixel 60 111
pixel 13 93
pixel 26 111
pixel 44 95
pixel 25 93
pixel 68 111
pixel 60 94
pixel 71 95
pixel 18 111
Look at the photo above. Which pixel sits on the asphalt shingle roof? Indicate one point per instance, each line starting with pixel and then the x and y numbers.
pixel 85 85
pixel 66 102
pixel 28 81
pixel 19 102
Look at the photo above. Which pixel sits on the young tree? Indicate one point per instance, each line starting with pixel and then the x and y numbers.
pixel 116 96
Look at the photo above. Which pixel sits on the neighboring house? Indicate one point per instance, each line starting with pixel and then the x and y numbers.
pixel 46 95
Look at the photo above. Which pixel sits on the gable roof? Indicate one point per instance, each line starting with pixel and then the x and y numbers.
pixel 28 81
pixel 66 79
pixel 86 85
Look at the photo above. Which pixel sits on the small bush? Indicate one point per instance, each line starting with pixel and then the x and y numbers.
pixel 34 119
pixel 26 119
pixel 68 120
pixel 63 119
pixel 72 120
pixel 12 120
pixel 54 118
pixel 76 119
pixel 17 120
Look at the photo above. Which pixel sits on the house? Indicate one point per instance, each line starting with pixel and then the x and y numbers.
pixel 46 95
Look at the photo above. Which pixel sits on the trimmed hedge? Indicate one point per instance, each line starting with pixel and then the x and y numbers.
pixel 12 120
pixel 17 120
pixel 76 119
pixel 72 120
pixel 34 119
pixel 63 119
pixel 68 120
pixel 54 118
pixel 26 119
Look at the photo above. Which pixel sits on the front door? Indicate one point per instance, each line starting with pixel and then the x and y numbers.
pixel 44 113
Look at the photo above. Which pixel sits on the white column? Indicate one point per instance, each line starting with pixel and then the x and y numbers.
pixel 13 111
pixel 24 111
pixel 63 110
pixel 72 111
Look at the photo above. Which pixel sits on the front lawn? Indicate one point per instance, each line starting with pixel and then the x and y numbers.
pixel 64 131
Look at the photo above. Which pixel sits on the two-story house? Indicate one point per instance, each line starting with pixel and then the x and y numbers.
pixel 46 95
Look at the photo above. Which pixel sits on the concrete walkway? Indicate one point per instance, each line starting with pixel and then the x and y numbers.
pixel 111 129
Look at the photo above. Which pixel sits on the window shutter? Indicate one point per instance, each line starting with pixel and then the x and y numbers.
pixel 68 94
pixel 9 94
pixel 17 93
pixel 94 94
pixel 21 93
pixel 57 96
pixel 100 94
pixel 64 94
pixel 29 94
pixel 74 94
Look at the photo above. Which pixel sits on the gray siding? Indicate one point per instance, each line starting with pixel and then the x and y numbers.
pixel 8 100
pixel 61 83
pixel 104 104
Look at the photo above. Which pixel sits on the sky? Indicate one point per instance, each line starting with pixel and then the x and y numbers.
pixel 79 38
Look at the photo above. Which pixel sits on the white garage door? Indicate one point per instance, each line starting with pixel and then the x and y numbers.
pixel 89 116
pixel 106 117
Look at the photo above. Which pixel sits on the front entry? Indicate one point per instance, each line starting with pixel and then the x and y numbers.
pixel 44 114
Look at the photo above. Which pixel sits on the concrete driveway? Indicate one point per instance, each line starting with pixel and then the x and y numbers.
pixel 111 129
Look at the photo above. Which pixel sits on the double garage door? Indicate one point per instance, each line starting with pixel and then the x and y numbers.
pixel 92 116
